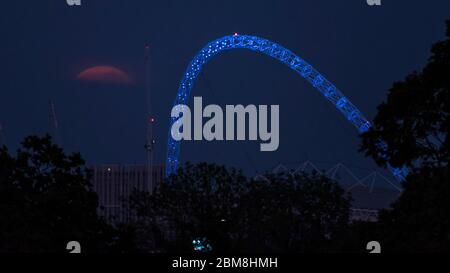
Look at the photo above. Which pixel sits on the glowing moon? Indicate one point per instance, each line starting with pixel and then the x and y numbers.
pixel 104 74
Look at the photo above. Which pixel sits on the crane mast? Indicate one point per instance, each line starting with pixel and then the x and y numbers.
pixel 54 126
pixel 150 141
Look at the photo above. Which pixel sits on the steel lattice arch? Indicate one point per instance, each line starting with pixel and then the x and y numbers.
pixel 284 55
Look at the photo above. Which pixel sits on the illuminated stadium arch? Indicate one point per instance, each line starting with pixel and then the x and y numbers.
pixel 326 88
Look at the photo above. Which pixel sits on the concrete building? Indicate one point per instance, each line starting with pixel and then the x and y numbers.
pixel 114 183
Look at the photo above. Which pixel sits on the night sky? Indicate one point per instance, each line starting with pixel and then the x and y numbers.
pixel 361 49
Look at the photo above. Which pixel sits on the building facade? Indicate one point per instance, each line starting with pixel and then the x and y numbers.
pixel 114 184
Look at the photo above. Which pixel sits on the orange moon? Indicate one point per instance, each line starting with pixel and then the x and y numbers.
pixel 104 74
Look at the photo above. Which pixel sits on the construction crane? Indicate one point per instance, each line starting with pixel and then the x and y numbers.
pixel 54 126
pixel 150 141
pixel 2 136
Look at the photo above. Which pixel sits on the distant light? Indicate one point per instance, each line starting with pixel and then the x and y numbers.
pixel 109 169
pixel 235 34
pixel 152 120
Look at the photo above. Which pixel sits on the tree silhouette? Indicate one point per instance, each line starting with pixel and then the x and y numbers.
pixel 414 122
pixel 46 200
pixel 420 220
pixel 415 119
pixel 299 212
pixel 212 205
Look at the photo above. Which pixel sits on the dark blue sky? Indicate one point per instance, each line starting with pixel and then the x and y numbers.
pixel 361 49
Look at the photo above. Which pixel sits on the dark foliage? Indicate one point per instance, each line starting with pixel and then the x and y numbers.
pixel 283 213
pixel 46 200
pixel 415 122
pixel 415 119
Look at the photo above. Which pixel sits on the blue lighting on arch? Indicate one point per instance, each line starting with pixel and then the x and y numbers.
pixel 284 55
